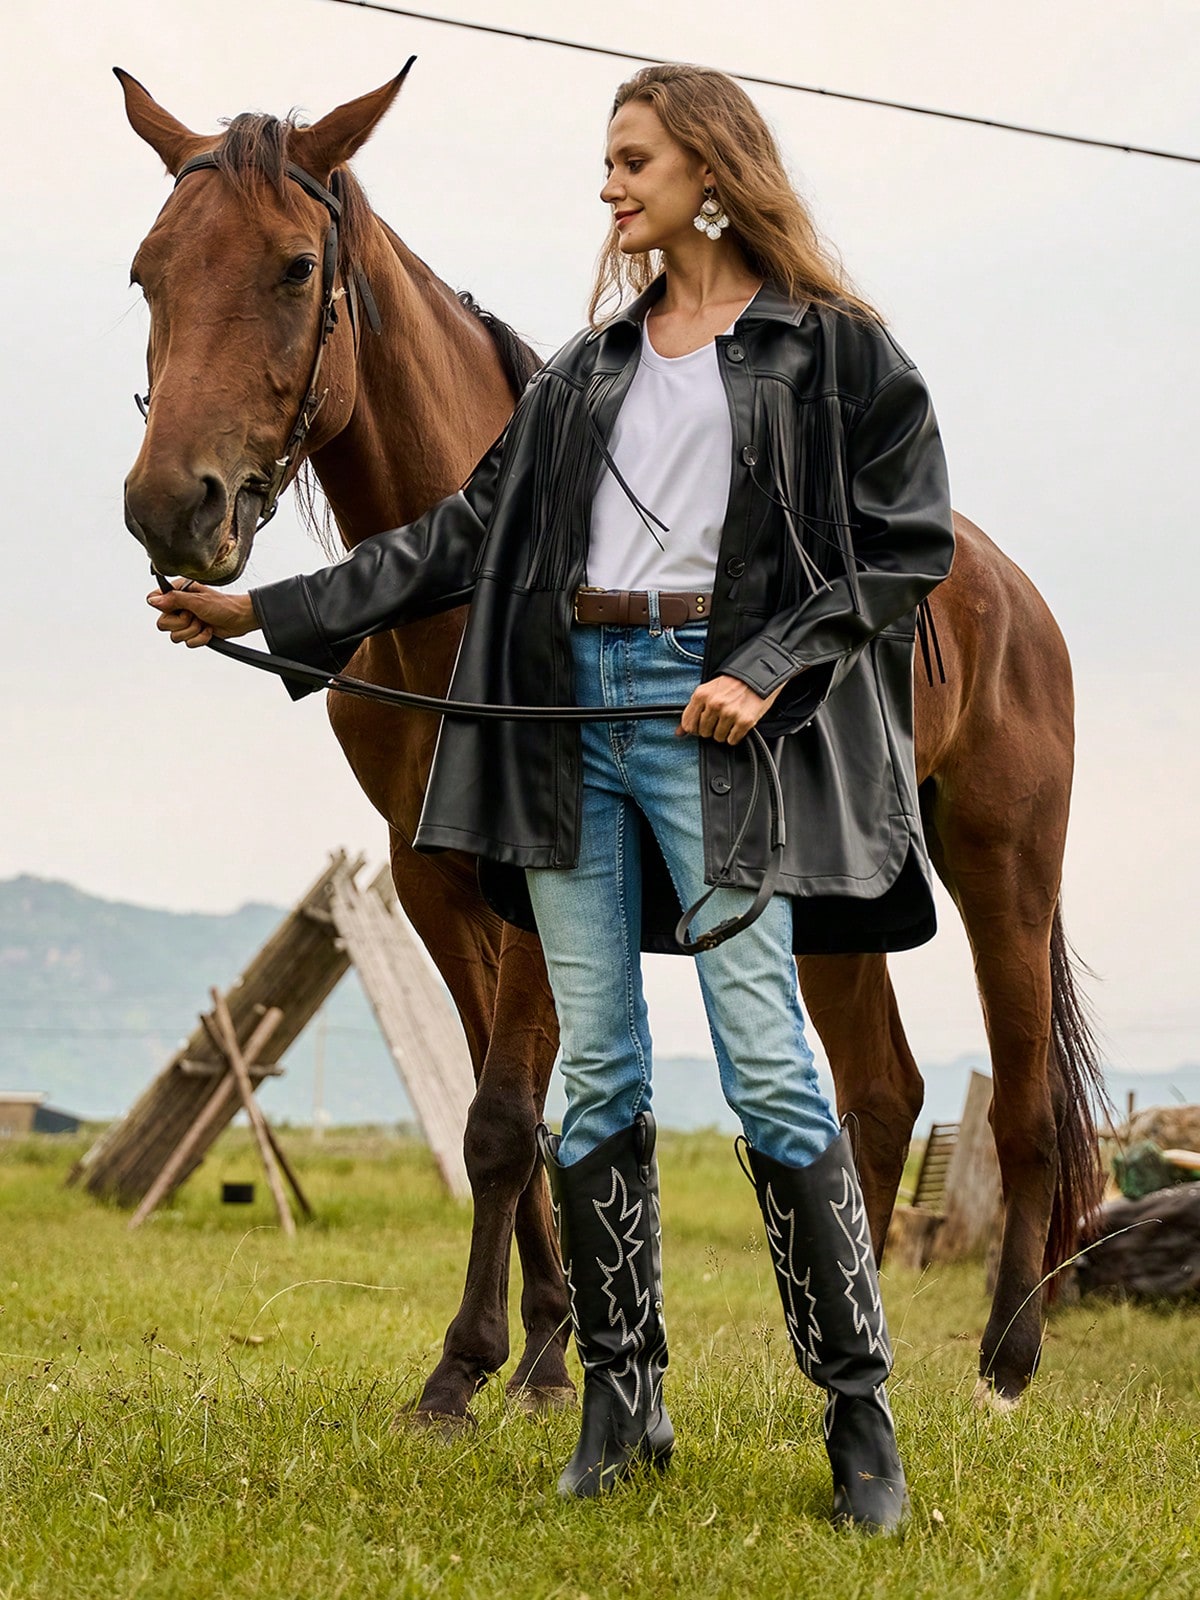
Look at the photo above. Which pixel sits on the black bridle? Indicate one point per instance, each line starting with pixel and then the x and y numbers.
pixel 359 688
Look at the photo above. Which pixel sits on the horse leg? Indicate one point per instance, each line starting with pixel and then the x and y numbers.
pixel 511 1099
pixel 879 1089
pixel 1004 876
pixel 441 900
pixel 506 1188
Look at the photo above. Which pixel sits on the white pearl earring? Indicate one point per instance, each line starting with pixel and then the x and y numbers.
pixel 711 220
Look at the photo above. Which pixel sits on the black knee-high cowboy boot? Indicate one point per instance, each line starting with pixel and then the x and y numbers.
pixel 820 1244
pixel 607 1213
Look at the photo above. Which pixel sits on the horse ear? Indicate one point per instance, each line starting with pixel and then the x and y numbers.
pixel 161 131
pixel 334 140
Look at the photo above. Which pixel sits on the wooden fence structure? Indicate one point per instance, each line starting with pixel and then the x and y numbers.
pixel 957 1198
pixel 155 1147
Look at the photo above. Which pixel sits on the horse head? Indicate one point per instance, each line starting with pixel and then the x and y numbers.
pixel 232 272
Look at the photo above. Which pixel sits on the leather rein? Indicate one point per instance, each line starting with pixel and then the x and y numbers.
pixel 763 759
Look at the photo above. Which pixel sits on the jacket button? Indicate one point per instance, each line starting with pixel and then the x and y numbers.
pixel 719 784
pixel 735 352
pixel 734 567
pixel 750 455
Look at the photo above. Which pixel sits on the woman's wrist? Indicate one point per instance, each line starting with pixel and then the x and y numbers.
pixel 248 617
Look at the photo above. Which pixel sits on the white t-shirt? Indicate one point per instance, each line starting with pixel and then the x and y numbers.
pixel 673 444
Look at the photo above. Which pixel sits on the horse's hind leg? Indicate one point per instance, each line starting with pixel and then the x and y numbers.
pixel 879 1090
pixel 1003 870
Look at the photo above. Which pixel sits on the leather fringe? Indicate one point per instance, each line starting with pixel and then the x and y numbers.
pixel 807 463
pixel 928 638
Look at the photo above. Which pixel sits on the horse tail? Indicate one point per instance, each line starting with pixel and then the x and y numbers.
pixel 1077 1085
pixel 519 361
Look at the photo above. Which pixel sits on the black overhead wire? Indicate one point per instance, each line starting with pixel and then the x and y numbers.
pixel 776 83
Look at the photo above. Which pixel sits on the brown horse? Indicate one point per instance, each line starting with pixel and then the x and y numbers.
pixel 230 273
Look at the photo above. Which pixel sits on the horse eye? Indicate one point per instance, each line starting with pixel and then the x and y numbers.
pixel 301 270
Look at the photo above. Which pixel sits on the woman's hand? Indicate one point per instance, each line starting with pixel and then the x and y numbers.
pixel 209 614
pixel 725 709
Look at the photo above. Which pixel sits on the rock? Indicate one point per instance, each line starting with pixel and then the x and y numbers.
pixel 1145 1248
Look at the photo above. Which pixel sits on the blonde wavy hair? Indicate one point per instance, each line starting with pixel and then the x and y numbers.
pixel 715 119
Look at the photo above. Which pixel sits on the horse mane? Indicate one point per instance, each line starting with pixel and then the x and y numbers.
pixel 254 152
pixel 518 360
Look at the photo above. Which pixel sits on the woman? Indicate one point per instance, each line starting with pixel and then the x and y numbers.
pixel 729 495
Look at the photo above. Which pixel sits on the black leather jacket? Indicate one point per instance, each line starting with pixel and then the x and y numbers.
pixel 838 525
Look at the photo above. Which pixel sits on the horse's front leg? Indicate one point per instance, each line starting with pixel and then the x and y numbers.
pixel 879 1089
pixel 508 1189
pixel 441 900
pixel 524 1045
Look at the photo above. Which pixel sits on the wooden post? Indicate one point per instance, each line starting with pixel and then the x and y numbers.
pixel 179 1157
pixel 223 1034
pixel 289 1171
pixel 910 1237
pixel 973 1189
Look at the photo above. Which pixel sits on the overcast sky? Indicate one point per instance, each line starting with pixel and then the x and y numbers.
pixel 1048 293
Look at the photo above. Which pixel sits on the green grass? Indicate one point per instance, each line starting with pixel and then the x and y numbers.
pixel 201 1409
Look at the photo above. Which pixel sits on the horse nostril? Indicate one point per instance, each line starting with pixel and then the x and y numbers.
pixel 214 490
pixel 209 512
pixel 177 512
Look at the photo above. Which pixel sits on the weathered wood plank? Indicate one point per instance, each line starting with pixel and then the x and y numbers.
pixel 417 1020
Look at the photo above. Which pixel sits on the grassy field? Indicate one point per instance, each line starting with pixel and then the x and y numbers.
pixel 201 1409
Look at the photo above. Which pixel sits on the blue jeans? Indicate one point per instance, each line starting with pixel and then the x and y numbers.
pixel 589 920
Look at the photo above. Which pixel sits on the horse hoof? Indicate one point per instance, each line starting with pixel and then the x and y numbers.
pixel 534 1402
pixel 988 1398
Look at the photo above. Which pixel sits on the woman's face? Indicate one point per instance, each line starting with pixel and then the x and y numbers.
pixel 654 185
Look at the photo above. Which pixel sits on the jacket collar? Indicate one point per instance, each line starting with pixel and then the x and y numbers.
pixel 770 304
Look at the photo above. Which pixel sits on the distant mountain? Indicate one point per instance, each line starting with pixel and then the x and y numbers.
pixel 95 996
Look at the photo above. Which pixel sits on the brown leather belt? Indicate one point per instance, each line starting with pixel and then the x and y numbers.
pixel 630 608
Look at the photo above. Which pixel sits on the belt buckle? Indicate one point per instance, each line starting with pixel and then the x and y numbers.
pixel 584 588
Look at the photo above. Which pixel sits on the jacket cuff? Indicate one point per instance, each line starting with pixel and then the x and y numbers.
pixel 762 664
pixel 292 630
